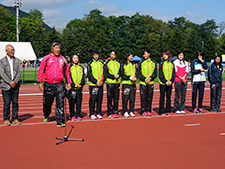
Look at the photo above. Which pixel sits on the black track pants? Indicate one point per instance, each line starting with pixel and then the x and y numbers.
pixel 50 92
pixel 146 93
pixel 96 94
pixel 164 89
pixel 113 92
pixel 75 98
pixel 128 93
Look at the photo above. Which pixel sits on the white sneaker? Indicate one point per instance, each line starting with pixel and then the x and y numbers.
pixel 182 112
pixel 178 112
pixel 93 117
pixel 99 116
pixel 132 114
pixel 126 115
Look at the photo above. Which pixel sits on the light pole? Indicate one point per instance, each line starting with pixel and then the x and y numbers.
pixel 17 4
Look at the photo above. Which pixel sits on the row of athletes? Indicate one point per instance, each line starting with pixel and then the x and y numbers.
pixel 127 73
pixel 113 73
pixel 55 68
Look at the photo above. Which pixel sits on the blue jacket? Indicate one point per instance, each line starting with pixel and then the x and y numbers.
pixel 196 66
pixel 215 74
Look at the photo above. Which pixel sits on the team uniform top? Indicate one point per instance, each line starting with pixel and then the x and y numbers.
pixel 128 70
pixel 55 69
pixel 95 72
pixel 77 76
pixel 112 68
pixel 147 68
pixel 166 72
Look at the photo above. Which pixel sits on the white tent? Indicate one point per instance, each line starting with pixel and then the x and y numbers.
pixel 23 50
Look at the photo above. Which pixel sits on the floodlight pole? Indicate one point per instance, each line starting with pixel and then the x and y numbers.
pixel 17 4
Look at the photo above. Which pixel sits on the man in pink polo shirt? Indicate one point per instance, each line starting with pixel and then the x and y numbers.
pixel 55 68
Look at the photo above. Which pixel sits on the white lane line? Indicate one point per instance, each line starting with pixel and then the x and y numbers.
pixel 222 134
pixel 189 125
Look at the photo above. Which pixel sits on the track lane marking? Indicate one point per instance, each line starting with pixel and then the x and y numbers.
pixel 194 124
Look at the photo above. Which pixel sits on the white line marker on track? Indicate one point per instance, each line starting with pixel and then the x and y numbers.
pixel 189 125
pixel 222 134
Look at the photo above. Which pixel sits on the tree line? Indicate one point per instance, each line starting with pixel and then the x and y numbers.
pixel 123 33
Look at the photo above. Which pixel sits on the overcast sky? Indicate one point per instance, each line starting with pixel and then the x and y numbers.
pixel 59 12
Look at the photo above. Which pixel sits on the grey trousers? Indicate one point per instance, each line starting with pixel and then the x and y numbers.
pixel 180 96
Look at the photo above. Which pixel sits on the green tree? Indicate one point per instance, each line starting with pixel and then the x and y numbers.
pixel 176 40
pixel 82 36
pixel 51 37
pixel 32 30
pixel 221 44
pixel 192 44
pixel 210 47
pixel 36 14
pixel 155 37
pixel 8 25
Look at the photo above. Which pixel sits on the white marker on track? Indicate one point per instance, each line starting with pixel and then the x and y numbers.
pixel 222 134
pixel 189 125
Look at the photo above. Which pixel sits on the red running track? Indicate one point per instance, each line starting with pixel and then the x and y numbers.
pixel 180 141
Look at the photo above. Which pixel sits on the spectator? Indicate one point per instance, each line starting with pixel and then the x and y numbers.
pixel 10 70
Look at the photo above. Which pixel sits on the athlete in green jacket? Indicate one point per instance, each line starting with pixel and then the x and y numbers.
pixel 78 81
pixel 128 74
pixel 112 71
pixel 166 79
pixel 95 73
pixel 147 72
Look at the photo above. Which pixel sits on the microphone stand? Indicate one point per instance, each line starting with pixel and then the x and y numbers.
pixel 66 137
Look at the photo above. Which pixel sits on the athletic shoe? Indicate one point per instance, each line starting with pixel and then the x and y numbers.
pixel 93 117
pixel 126 115
pixel 149 114
pixel 111 116
pixel 178 112
pixel 73 118
pixel 182 112
pixel 16 122
pixel 218 110
pixel 200 110
pixel 99 116
pixel 60 124
pixel 7 123
pixel 169 114
pixel 79 119
pixel 164 114
pixel 132 114
pixel 214 110
pixel 195 111
pixel 115 115
pixel 145 114
pixel 45 120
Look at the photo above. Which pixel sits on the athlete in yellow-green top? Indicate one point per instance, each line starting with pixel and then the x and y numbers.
pixel 166 79
pixel 147 72
pixel 128 74
pixel 96 79
pixel 112 72
pixel 78 81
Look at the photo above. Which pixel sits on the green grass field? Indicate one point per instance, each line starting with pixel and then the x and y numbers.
pixel 29 76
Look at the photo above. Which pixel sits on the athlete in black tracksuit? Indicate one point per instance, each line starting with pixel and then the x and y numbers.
pixel 96 77
pixel 78 81
pixel 112 72
pixel 129 78
pixel 147 72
